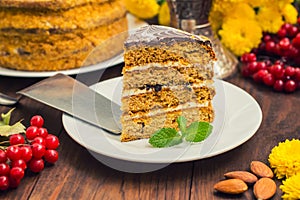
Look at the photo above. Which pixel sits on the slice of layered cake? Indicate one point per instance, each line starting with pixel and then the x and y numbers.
pixel 167 73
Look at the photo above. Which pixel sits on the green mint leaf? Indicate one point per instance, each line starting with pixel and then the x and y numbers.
pixel 165 137
pixel 198 131
pixel 6 117
pixel 7 130
pixel 181 121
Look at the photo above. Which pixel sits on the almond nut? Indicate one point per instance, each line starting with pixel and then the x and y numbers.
pixel 245 176
pixel 231 186
pixel 264 188
pixel 261 169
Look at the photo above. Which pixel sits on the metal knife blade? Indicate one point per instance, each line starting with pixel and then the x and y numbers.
pixel 6 100
pixel 73 97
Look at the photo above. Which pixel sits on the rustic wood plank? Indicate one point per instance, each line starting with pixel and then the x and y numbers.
pixel 172 182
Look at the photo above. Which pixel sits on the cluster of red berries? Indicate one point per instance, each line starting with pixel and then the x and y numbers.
pixel 273 62
pixel 29 151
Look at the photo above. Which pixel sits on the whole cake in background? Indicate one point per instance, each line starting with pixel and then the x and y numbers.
pixel 48 35
pixel 167 73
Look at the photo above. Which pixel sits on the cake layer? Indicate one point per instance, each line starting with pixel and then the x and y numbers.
pixel 144 127
pixel 156 73
pixel 61 51
pixel 87 16
pixel 158 111
pixel 46 4
pixel 150 88
pixel 184 53
pixel 160 97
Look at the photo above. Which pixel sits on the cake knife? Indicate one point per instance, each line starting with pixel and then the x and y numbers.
pixel 76 99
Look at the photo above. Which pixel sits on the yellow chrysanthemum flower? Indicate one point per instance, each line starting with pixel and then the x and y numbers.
pixel 270 18
pixel 285 158
pixel 240 36
pixel 164 14
pixel 291 188
pixel 144 9
pixel 228 9
pixel 290 14
pixel 240 11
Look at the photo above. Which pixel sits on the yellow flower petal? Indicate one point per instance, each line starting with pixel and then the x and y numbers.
pixel 144 9
pixel 164 14
pixel 240 36
pixel 216 19
pixel 291 188
pixel 240 11
pixel 290 14
pixel 285 158
pixel 270 18
pixel 258 3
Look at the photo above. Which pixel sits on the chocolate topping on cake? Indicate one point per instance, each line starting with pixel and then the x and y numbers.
pixel 156 35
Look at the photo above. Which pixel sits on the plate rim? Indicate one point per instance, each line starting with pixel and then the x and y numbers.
pixel 182 158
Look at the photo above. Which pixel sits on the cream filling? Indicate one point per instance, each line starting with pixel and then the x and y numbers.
pixel 208 66
pixel 154 112
pixel 136 91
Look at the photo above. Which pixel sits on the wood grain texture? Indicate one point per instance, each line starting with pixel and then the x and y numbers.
pixel 78 175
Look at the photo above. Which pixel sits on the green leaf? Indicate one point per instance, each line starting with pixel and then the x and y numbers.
pixel 6 117
pixel 165 137
pixel 181 121
pixel 198 131
pixel 7 130
pixel 160 2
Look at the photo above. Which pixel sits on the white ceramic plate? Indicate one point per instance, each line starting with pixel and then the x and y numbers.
pixel 238 116
pixel 133 23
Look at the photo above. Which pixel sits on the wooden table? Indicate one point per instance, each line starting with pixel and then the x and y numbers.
pixel 78 175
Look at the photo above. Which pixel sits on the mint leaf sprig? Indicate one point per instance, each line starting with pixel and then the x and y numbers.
pixel 167 137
